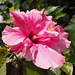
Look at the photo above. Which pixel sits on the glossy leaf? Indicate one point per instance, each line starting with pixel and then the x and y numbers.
pixel 50 72
pixel 71 30
pixel 31 69
pixel 53 71
pixel 8 21
pixel 66 51
pixel 72 58
pixel 58 15
pixel 57 71
pixel 67 68
pixel 2 1
pixel 12 8
pixel 60 9
pixel 50 9
pixel 71 25
pixel 3 7
pixel 25 5
pixel 16 4
pixel 29 1
pixel 3 54
pixel 11 1
pixel 3 69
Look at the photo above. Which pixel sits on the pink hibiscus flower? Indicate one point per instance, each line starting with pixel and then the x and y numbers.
pixel 37 37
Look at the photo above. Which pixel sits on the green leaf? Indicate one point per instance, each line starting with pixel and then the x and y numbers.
pixel 29 1
pixel 70 28
pixel 3 54
pixel 16 4
pixel 58 15
pixel 12 8
pixel 31 69
pixel 72 58
pixel 67 68
pixel 67 54
pixel 71 25
pixel 2 1
pixel 53 71
pixel 66 51
pixel 50 72
pixel 8 21
pixel 11 1
pixel 3 7
pixel 50 9
pixel 57 71
pixel 3 70
pixel 25 5
pixel 60 9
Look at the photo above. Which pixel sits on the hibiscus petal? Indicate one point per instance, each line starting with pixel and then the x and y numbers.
pixel 46 18
pixel 34 17
pixel 41 12
pixel 63 34
pixel 30 53
pixel 19 18
pixel 56 43
pixel 59 28
pixel 13 36
pixel 63 44
pixel 17 48
pixel 48 34
pixel 46 57
pixel 29 50
pixel 34 20
pixel 43 26
pixel 44 22
pixel 45 36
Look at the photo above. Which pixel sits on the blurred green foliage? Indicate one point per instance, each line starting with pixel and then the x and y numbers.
pixel 3 69
pixel 63 13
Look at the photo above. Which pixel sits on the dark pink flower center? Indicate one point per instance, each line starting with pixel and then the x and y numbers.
pixel 33 38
